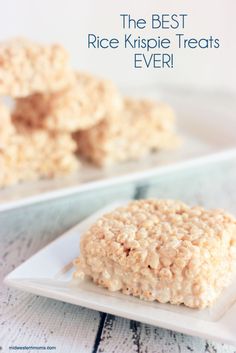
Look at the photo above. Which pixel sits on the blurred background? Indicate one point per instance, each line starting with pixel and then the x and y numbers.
pixel 69 22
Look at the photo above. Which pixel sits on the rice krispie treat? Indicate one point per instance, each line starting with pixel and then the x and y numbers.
pixel 161 250
pixel 35 154
pixel 6 126
pixel 141 127
pixel 27 67
pixel 80 106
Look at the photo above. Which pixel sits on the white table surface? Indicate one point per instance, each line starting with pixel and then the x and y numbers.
pixel 28 320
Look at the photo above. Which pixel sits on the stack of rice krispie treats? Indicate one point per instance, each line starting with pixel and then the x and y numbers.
pixel 28 151
pixel 60 116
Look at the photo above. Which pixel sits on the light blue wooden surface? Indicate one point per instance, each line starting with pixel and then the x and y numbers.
pixel 31 320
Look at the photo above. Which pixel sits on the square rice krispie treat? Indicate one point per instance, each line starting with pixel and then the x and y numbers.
pixel 82 105
pixel 34 154
pixel 139 128
pixel 161 250
pixel 27 67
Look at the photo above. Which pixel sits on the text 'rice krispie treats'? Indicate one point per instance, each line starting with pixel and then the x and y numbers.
pixel 34 154
pixel 27 67
pixel 80 106
pixel 140 127
pixel 161 250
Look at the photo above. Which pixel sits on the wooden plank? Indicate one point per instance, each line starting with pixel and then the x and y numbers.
pixel 212 186
pixel 32 320
pixel 121 335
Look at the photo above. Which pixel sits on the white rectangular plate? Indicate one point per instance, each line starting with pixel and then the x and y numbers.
pixel 206 123
pixel 49 273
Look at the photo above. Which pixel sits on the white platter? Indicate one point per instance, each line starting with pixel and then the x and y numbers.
pixel 48 273
pixel 206 123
